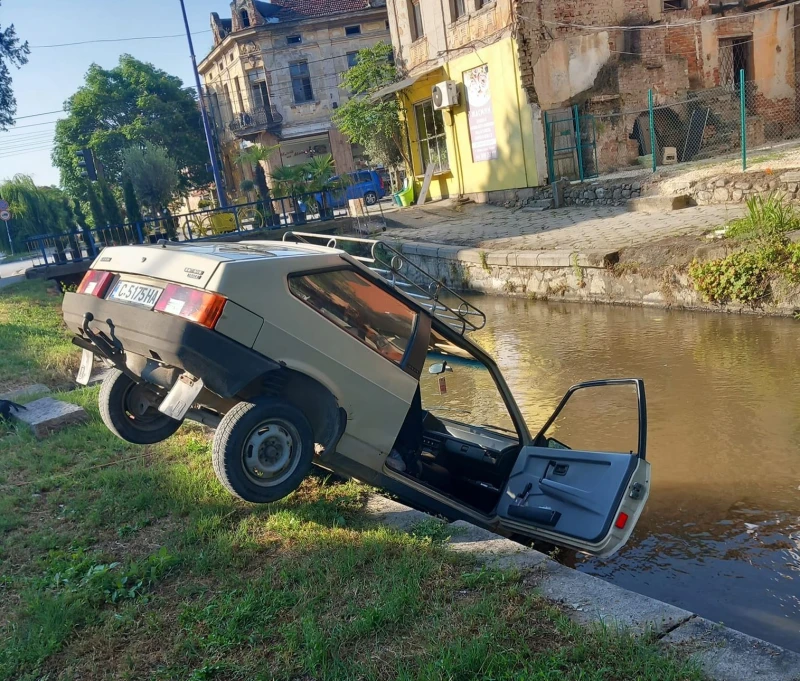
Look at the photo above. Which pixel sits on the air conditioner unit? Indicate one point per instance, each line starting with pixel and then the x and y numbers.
pixel 445 94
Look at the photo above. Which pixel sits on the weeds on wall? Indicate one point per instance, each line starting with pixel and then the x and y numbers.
pixel 747 276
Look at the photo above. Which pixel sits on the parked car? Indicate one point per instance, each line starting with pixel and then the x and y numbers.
pixel 362 184
pixel 300 353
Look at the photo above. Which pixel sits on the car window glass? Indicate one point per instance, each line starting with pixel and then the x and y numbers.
pixel 465 391
pixel 359 307
pixel 364 176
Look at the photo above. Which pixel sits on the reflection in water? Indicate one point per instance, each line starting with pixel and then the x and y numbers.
pixel 721 532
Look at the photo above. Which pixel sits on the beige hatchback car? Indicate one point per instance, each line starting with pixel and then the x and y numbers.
pixel 345 355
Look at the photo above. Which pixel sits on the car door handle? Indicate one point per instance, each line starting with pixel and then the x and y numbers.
pixel 568 493
pixel 541 516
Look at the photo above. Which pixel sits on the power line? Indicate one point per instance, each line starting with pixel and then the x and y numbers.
pixel 27 151
pixel 117 40
pixel 34 125
pixel 44 113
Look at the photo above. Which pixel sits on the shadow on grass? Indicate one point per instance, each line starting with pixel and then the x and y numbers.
pixel 308 587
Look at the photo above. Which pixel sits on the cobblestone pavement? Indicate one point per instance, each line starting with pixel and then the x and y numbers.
pixel 579 227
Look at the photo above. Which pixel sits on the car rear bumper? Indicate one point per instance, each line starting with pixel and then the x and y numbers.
pixel 225 366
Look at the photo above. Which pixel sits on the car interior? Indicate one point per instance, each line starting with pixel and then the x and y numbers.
pixel 470 463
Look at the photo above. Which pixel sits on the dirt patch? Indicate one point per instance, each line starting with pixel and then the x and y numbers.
pixel 676 252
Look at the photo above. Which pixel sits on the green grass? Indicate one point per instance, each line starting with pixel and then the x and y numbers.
pixel 124 562
pixel 34 343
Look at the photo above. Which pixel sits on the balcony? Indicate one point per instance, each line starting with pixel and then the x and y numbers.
pixel 254 121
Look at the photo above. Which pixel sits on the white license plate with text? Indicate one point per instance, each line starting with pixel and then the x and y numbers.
pixel 136 294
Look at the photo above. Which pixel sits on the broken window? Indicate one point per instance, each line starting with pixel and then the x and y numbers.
pixel 301 82
pixel 245 18
pixel 632 42
pixel 352 30
pixel 670 5
pixel 415 19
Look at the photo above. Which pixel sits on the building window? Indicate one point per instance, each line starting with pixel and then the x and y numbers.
pixel 239 93
pixel 415 19
pixel 390 57
pixel 360 308
pixel 245 17
pixel 294 39
pixel 670 5
pixel 387 24
pixel 352 59
pixel 301 82
pixel 458 8
pixel 258 89
pixel 352 30
pixel 431 138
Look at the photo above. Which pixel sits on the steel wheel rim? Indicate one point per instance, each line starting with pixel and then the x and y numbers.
pixel 140 410
pixel 271 452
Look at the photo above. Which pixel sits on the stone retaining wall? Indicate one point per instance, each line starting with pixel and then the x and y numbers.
pixel 722 188
pixel 578 277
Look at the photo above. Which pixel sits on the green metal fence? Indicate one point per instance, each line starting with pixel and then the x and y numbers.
pixel 726 122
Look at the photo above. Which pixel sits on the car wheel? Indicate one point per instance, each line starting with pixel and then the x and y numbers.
pixel 263 450
pixel 130 410
pixel 370 198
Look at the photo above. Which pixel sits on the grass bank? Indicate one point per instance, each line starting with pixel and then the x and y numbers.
pixel 126 562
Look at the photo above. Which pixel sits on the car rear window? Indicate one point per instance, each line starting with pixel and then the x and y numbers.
pixel 360 308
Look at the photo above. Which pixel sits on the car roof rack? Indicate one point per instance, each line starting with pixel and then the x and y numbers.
pixel 402 274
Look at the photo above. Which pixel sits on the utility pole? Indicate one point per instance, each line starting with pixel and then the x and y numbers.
pixel 223 201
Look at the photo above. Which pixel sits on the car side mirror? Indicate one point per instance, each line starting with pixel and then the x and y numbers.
pixel 439 368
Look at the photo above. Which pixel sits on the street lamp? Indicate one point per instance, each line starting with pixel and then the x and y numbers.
pixel 223 202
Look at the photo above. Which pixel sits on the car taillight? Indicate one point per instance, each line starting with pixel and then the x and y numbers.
pixel 95 283
pixel 380 181
pixel 192 304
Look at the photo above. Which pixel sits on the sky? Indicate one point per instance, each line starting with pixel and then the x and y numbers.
pixel 53 74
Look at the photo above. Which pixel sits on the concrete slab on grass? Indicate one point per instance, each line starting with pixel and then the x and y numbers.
pixel 394 514
pixel 47 415
pixel 728 655
pixel 490 549
pixel 590 599
pixel 25 391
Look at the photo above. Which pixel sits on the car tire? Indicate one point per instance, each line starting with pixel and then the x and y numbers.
pixel 263 450
pixel 370 198
pixel 117 396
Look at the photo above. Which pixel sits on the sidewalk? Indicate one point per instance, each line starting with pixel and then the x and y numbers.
pixel 576 228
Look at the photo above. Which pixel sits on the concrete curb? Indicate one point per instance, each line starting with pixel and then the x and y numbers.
pixel 722 653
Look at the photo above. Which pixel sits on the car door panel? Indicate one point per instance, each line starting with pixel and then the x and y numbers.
pixel 585 496
pixel 586 500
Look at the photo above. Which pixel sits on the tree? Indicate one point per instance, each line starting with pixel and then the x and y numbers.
pixel 36 210
pixel 111 209
pixel 11 52
pixel 252 156
pixel 95 208
pixel 375 125
pixel 153 174
pixel 131 202
pixel 130 105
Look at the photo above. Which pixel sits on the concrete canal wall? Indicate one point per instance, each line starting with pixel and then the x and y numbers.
pixel 722 653
pixel 594 277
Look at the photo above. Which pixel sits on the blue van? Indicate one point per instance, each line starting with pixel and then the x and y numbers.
pixel 362 184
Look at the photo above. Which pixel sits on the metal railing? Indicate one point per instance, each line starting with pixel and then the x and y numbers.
pixel 402 274
pixel 283 212
pixel 259 118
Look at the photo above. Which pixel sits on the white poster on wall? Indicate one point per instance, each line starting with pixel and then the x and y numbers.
pixel 480 115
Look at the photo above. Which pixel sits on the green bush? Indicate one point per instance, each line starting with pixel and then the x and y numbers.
pixel 766 219
pixel 745 276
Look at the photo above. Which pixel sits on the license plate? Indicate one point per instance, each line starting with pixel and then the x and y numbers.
pixel 136 294
pixel 85 369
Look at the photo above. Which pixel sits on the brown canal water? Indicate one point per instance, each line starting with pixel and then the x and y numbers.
pixel 721 532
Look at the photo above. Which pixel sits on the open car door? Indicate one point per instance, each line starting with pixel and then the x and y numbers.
pixel 579 498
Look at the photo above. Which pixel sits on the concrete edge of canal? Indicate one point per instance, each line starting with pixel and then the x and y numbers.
pixel 723 654
pixel 574 276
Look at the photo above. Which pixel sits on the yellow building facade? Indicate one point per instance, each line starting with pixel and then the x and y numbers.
pixel 490 141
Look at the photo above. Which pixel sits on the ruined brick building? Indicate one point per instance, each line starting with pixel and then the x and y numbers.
pixel 605 55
